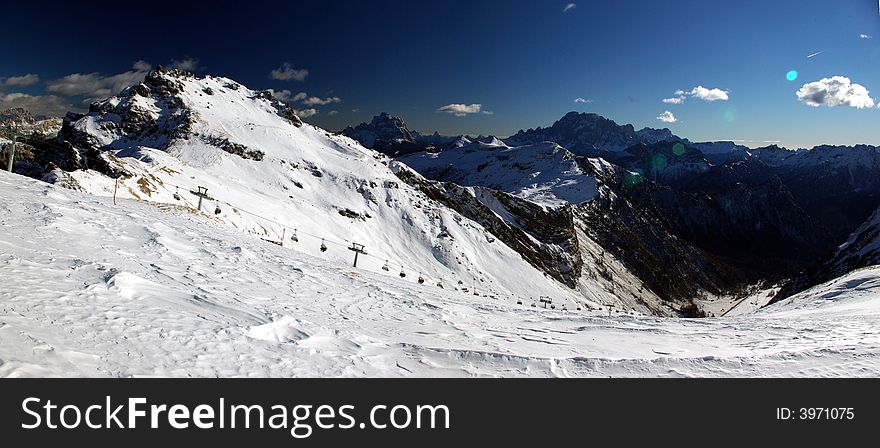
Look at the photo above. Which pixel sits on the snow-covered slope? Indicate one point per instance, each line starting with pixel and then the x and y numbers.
pixel 96 289
pixel 543 173
pixel 274 177
pixel 860 250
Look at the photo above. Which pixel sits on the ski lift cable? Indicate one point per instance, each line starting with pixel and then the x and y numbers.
pixel 297 230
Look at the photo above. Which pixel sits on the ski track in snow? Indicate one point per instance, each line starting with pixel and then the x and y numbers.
pixel 90 289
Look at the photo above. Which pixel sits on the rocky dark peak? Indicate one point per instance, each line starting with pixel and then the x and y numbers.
pixel 590 134
pixel 389 134
pixel 16 115
pixel 383 130
pixel 652 135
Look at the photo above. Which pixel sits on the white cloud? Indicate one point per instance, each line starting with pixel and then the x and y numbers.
pixel 698 92
pixel 865 36
pixel 304 98
pixel 332 113
pixel 316 101
pixel 280 95
pixel 835 91
pixel 582 100
pixel 569 7
pixel 287 73
pixel 306 113
pixel 142 66
pixel 709 94
pixel 187 64
pixel 94 85
pixel 19 81
pixel 813 55
pixel 461 110
pixel 667 117
pixel 51 105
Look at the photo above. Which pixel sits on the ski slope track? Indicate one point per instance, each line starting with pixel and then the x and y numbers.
pixel 143 289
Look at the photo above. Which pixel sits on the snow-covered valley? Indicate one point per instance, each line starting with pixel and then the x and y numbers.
pixel 90 288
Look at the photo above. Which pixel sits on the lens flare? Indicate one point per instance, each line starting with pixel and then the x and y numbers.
pixel 678 149
pixel 659 162
pixel 791 75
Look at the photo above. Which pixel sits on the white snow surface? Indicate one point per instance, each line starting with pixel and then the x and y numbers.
pixel 544 173
pixel 306 178
pixel 134 289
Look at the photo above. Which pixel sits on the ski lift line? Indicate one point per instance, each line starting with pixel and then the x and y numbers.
pixel 302 232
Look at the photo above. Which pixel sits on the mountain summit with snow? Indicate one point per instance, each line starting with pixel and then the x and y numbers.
pixel 270 175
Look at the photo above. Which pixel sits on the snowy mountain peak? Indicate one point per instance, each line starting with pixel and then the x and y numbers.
pixel 175 105
pixel 270 176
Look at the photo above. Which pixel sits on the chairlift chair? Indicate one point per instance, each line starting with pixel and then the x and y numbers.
pixel 421 279
pixel 323 246
pixel 402 274
pixel 385 266
pixel 293 237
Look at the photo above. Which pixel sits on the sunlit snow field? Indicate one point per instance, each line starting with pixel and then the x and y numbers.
pixel 93 289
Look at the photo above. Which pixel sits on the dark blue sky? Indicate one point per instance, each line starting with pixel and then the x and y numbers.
pixel 524 62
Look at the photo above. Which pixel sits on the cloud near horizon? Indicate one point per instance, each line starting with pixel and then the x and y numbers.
pixel 94 86
pixel 306 113
pixel 463 110
pixel 19 81
pixel 667 117
pixel 187 64
pixel 835 91
pixel 287 73
pixel 50 105
pixel 582 100
pixel 304 98
pixel 569 7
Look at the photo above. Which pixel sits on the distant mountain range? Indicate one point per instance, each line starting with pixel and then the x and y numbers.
pixel 770 212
